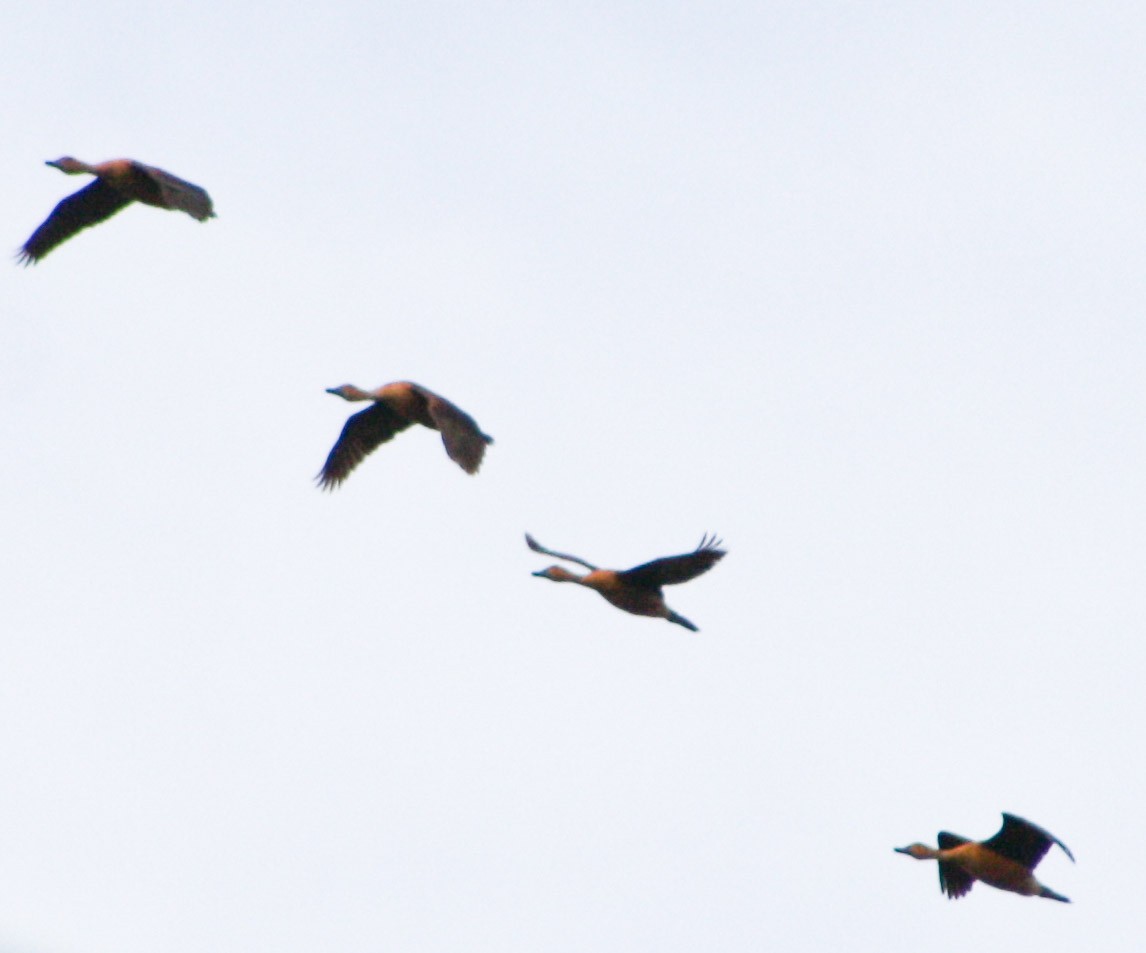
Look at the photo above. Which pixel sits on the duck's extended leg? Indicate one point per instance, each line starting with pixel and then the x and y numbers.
pixel 681 620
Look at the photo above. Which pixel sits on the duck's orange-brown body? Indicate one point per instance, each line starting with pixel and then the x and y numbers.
pixel 118 183
pixel 608 582
pixel 637 590
pixel 1006 861
pixel 395 407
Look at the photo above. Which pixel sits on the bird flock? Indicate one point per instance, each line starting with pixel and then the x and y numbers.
pixel 1006 860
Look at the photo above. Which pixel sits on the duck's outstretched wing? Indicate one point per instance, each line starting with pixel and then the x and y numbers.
pixel 538 548
pixel 464 440
pixel 953 879
pixel 94 203
pixel 361 435
pixel 1024 842
pixel 180 194
pixel 672 570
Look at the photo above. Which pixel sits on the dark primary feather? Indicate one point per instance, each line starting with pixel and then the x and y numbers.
pixel 180 194
pixel 1023 841
pixel 953 879
pixel 465 443
pixel 92 204
pixel 672 570
pixel 362 434
pixel 947 841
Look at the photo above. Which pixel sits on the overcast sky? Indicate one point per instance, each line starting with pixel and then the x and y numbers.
pixel 859 287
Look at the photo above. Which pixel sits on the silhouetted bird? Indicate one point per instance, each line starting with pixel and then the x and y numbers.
pixel 638 590
pixel 395 407
pixel 1006 861
pixel 118 183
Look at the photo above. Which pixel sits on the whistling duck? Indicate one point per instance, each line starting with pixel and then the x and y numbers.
pixel 1006 861
pixel 117 184
pixel 395 407
pixel 638 590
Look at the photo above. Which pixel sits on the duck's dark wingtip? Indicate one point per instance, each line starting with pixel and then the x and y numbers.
pixel 710 541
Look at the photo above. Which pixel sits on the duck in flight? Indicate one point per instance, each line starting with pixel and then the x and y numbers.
pixel 1006 861
pixel 393 408
pixel 118 183
pixel 638 590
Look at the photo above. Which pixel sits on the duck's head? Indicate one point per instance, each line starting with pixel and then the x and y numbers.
pixel 557 574
pixel 68 164
pixel 349 392
pixel 918 851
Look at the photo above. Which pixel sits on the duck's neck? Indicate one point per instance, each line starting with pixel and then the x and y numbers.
pixel 350 392
pixel 560 574
pixel 72 166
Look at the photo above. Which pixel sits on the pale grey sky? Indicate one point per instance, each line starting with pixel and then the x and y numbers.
pixel 858 287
